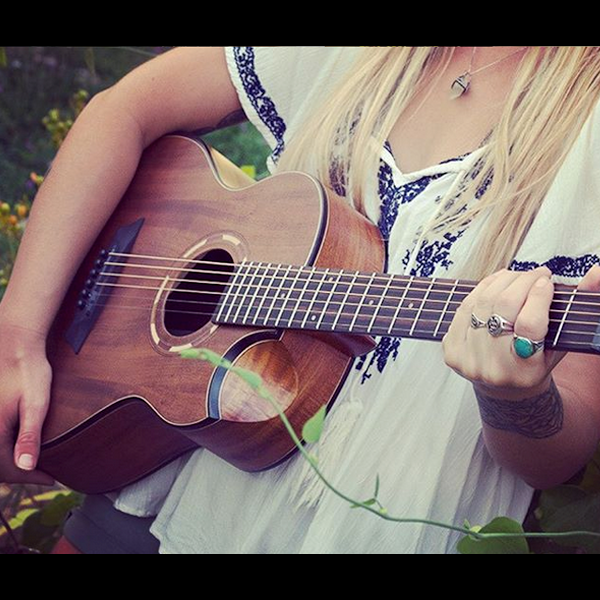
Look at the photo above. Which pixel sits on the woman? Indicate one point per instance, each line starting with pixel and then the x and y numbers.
pixel 475 163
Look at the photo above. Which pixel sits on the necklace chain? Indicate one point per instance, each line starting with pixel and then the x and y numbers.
pixel 462 84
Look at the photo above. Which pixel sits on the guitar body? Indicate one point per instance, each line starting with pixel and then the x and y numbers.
pixel 124 403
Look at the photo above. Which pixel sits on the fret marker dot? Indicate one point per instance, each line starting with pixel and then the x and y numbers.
pixel 411 305
pixel 371 302
pixel 314 318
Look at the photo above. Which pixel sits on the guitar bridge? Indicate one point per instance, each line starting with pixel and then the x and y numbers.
pixel 89 307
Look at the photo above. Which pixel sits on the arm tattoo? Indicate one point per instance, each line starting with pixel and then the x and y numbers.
pixel 538 418
pixel 234 118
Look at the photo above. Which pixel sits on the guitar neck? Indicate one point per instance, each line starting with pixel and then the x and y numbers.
pixel 377 304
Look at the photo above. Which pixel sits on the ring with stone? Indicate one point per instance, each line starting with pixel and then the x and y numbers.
pixel 526 348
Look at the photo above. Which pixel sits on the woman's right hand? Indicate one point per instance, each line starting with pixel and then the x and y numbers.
pixel 25 379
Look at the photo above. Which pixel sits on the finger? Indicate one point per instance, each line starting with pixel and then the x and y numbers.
pixel 510 302
pixel 591 282
pixel 9 473
pixel 533 321
pixel 478 298
pixel 32 412
pixel 462 318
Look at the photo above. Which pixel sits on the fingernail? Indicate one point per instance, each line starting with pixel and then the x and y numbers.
pixel 542 283
pixel 26 462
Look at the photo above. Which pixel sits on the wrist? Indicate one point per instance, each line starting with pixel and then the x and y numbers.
pixel 540 415
pixel 514 394
pixel 11 330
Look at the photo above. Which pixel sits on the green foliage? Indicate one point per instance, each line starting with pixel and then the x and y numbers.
pixel 313 428
pixel 475 544
pixel 571 508
pixel 37 520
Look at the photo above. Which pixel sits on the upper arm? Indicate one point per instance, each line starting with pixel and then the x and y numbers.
pixel 187 88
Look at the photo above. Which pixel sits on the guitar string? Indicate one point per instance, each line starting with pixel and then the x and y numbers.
pixel 302 313
pixel 247 296
pixel 441 283
pixel 295 269
pixel 302 310
pixel 355 331
pixel 373 297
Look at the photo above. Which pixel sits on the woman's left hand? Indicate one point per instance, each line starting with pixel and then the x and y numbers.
pixel 491 363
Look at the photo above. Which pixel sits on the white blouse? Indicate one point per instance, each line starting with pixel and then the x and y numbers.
pixel 402 413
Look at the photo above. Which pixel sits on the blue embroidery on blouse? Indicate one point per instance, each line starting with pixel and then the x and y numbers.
pixel 392 197
pixel 430 256
pixel 245 59
pixel 562 266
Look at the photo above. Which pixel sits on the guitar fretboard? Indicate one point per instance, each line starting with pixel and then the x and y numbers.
pixel 339 301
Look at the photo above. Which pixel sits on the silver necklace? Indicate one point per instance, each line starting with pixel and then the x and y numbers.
pixel 462 84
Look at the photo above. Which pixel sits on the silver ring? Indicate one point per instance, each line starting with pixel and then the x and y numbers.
pixel 498 326
pixel 476 322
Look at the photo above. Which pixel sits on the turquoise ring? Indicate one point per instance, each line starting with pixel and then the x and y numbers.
pixel 526 348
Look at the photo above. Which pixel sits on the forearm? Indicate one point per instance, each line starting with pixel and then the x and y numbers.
pixel 89 176
pixel 545 439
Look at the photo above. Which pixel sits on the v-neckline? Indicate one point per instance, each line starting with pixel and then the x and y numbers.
pixel 431 169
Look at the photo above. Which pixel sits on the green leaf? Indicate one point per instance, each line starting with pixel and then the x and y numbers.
pixel 55 512
pixel 569 508
pixel 591 478
pixel 3 57
pixel 377 485
pixel 469 545
pixel 313 428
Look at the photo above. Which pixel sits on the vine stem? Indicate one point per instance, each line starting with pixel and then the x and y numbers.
pixel 10 532
pixel 256 383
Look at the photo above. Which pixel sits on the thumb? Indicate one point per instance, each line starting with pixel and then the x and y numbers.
pixel 33 409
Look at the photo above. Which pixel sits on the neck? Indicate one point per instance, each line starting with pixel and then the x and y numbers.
pixel 376 304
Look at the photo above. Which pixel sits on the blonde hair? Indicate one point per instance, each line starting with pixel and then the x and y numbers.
pixel 555 91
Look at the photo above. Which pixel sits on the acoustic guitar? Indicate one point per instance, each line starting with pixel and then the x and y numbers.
pixel 281 277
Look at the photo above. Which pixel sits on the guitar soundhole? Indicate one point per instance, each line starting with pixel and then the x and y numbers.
pixel 190 306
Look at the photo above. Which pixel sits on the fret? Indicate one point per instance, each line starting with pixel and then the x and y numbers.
pixel 380 305
pixel 288 295
pixel 564 319
pixel 247 289
pixel 259 277
pixel 307 283
pixel 278 291
pixel 445 309
pixel 265 294
pixel 364 295
pixel 231 294
pixel 399 308
pixel 330 296
pixel 343 303
pixel 312 302
pixel 421 307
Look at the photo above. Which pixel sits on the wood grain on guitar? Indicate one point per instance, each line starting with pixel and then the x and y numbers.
pixel 126 403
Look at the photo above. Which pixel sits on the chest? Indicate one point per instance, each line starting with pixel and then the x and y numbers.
pixel 435 127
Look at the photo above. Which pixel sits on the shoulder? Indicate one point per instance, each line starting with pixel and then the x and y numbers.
pixel 279 85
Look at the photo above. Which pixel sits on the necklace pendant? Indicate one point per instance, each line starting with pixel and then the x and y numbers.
pixel 460 86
